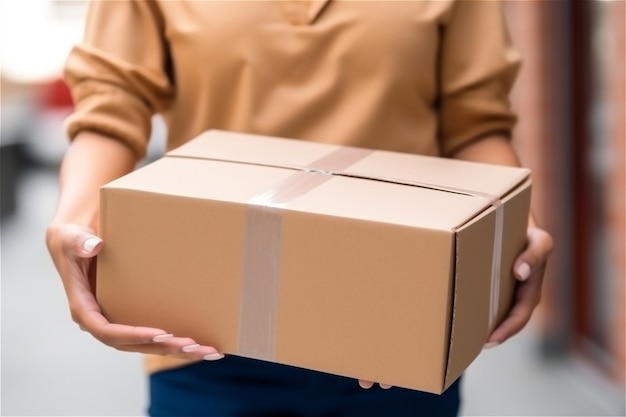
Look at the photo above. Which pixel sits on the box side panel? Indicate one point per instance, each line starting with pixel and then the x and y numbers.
pixel 365 300
pixel 470 328
pixel 171 263
pixel 516 211
pixel 470 315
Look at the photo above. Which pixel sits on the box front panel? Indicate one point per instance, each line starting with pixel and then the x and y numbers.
pixel 364 299
pixel 172 263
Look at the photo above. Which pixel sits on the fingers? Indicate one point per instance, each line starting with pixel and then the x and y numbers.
pixel 181 347
pixel 535 255
pixel 139 339
pixel 73 246
pixel 148 340
pixel 365 384
pixel 529 269
pixel 80 242
pixel 369 384
pixel 169 345
pixel 527 297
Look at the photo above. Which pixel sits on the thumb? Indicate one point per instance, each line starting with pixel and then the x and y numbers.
pixel 534 256
pixel 81 242
pixel 91 246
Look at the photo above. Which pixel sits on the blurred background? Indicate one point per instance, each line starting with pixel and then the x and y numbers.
pixel 570 98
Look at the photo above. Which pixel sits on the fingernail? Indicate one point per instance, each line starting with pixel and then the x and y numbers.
pixel 490 345
pixel 523 271
pixel 366 384
pixel 162 337
pixel 213 356
pixel 191 348
pixel 385 386
pixel 90 244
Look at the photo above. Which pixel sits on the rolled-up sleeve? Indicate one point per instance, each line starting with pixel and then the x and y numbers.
pixel 118 75
pixel 478 67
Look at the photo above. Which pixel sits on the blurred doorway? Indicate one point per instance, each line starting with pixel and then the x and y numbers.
pixel 597 115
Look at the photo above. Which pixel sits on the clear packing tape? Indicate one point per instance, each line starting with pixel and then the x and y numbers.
pixel 262 247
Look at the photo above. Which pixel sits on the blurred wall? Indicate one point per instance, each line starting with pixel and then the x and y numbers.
pixel 616 91
pixel 570 99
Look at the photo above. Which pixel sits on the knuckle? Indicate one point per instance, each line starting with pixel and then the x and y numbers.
pixel 51 236
pixel 545 238
pixel 186 342
pixel 76 315
pixel 105 337
pixel 107 340
pixel 166 350
pixel 102 336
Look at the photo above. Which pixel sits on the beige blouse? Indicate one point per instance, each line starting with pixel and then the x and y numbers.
pixel 413 76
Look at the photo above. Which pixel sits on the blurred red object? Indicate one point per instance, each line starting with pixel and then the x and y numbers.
pixel 55 95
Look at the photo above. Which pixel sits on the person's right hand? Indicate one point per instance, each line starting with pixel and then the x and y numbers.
pixel 73 249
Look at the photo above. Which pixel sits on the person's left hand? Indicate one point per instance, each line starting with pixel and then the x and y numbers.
pixel 528 269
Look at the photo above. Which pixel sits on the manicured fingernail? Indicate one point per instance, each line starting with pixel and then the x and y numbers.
pixel 213 356
pixel 191 348
pixel 162 337
pixel 490 345
pixel 523 271
pixel 90 244
pixel 366 384
pixel 385 386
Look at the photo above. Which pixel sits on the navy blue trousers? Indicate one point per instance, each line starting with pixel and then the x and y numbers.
pixel 236 386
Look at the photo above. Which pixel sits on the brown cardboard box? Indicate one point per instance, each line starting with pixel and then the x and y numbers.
pixel 369 264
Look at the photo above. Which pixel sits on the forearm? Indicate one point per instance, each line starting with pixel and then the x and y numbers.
pixel 494 149
pixel 91 161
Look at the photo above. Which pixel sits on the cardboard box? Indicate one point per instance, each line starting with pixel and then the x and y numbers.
pixel 375 265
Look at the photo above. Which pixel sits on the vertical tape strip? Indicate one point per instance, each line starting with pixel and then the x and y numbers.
pixel 260 279
pixel 496 263
pixel 259 286
pixel 496 254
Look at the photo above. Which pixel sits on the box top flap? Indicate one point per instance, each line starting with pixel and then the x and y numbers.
pixel 234 158
pixel 452 174
pixel 253 149
pixel 446 173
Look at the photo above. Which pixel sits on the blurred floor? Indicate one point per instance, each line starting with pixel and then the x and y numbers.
pixel 50 367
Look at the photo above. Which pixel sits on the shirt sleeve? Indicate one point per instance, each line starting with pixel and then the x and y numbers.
pixel 478 67
pixel 118 74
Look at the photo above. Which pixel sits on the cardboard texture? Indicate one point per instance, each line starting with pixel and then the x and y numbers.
pixel 368 264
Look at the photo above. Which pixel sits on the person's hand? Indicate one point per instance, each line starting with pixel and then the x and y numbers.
pixel 369 384
pixel 528 269
pixel 73 249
